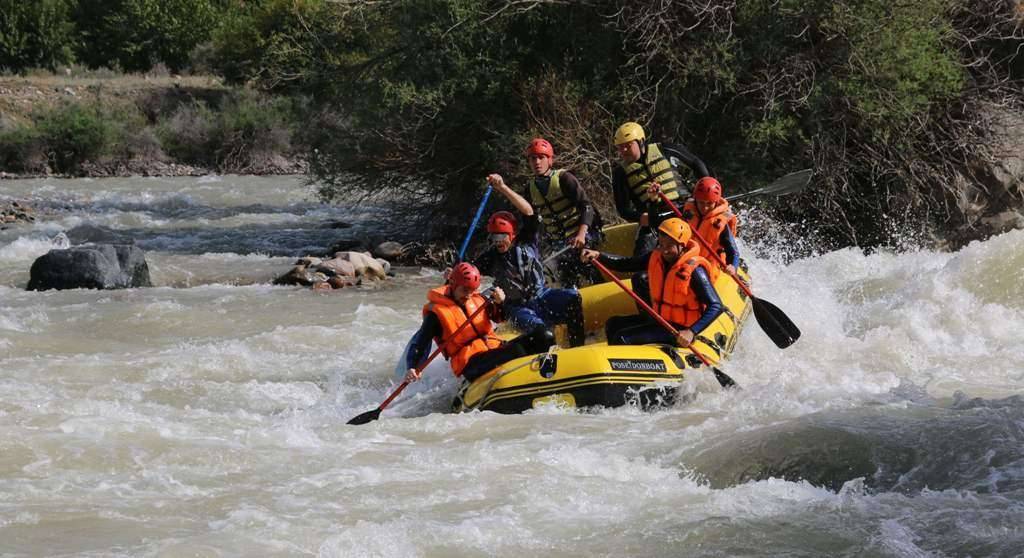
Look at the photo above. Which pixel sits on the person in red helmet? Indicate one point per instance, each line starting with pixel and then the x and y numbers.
pixel 642 163
pixel 475 349
pixel 561 203
pixel 513 259
pixel 709 215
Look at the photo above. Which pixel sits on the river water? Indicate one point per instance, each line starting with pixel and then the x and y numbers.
pixel 206 416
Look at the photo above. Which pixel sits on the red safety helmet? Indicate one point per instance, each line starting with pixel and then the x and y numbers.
pixel 465 275
pixel 540 146
pixel 707 189
pixel 502 222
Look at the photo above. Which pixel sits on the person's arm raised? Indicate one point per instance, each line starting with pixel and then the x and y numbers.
pixel 520 203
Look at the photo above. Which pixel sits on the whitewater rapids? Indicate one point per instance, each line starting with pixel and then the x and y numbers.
pixel 206 416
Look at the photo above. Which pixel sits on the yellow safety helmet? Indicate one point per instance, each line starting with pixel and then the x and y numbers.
pixel 676 229
pixel 628 132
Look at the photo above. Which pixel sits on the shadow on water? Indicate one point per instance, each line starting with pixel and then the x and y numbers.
pixel 906 447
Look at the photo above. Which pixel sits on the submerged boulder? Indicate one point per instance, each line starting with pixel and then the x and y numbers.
pixel 100 266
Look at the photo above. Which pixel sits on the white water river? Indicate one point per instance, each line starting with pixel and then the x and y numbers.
pixel 206 416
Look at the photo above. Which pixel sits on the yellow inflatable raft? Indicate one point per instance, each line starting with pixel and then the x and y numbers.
pixel 600 375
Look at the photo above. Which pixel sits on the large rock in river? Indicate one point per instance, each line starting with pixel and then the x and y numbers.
pixel 100 266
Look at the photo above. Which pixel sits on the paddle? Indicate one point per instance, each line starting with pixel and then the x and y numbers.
pixel 370 416
pixel 723 379
pixel 556 254
pixel 476 219
pixel 773 321
pixel 788 184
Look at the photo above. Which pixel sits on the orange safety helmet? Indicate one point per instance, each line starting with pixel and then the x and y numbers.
pixel 707 189
pixel 465 274
pixel 502 222
pixel 676 229
pixel 540 146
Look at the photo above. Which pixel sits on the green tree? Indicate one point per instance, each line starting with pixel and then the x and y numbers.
pixel 137 34
pixel 36 34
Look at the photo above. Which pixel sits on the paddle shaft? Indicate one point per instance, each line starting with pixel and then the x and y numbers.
pixel 476 219
pixel 556 254
pixel 662 321
pixel 707 247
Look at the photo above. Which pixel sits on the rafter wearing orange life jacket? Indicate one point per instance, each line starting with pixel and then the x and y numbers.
pixel 711 226
pixel 476 338
pixel 671 294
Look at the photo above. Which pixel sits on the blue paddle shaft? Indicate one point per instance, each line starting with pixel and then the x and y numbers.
pixel 479 212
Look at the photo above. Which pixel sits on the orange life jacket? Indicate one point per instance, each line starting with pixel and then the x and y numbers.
pixel 671 295
pixel 472 339
pixel 710 226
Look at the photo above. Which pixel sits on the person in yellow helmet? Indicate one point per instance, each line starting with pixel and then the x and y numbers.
pixel 641 164
pixel 676 281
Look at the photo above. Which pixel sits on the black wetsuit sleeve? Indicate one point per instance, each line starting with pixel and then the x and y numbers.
pixel 701 286
pixel 577 196
pixel 429 330
pixel 485 261
pixel 496 312
pixel 529 231
pixel 732 251
pixel 625 263
pixel 623 197
pixel 685 156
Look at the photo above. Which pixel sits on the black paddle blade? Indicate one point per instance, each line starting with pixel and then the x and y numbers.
pixel 788 184
pixel 775 323
pixel 724 380
pixel 368 416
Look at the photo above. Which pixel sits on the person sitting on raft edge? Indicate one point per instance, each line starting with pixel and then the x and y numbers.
pixel 681 289
pixel 475 349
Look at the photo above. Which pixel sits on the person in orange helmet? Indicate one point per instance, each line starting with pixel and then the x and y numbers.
pixel 565 212
pixel 475 349
pixel 680 288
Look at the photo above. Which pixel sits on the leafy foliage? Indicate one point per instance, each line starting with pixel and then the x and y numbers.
pixel 137 34
pixel 868 92
pixel 36 34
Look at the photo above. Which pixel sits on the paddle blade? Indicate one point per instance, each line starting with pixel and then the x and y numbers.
pixel 788 184
pixel 724 380
pixel 775 323
pixel 368 416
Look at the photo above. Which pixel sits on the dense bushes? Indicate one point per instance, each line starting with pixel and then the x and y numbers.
pixel 133 35
pixel 61 138
pixel 884 99
pixel 241 131
pixel 242 134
